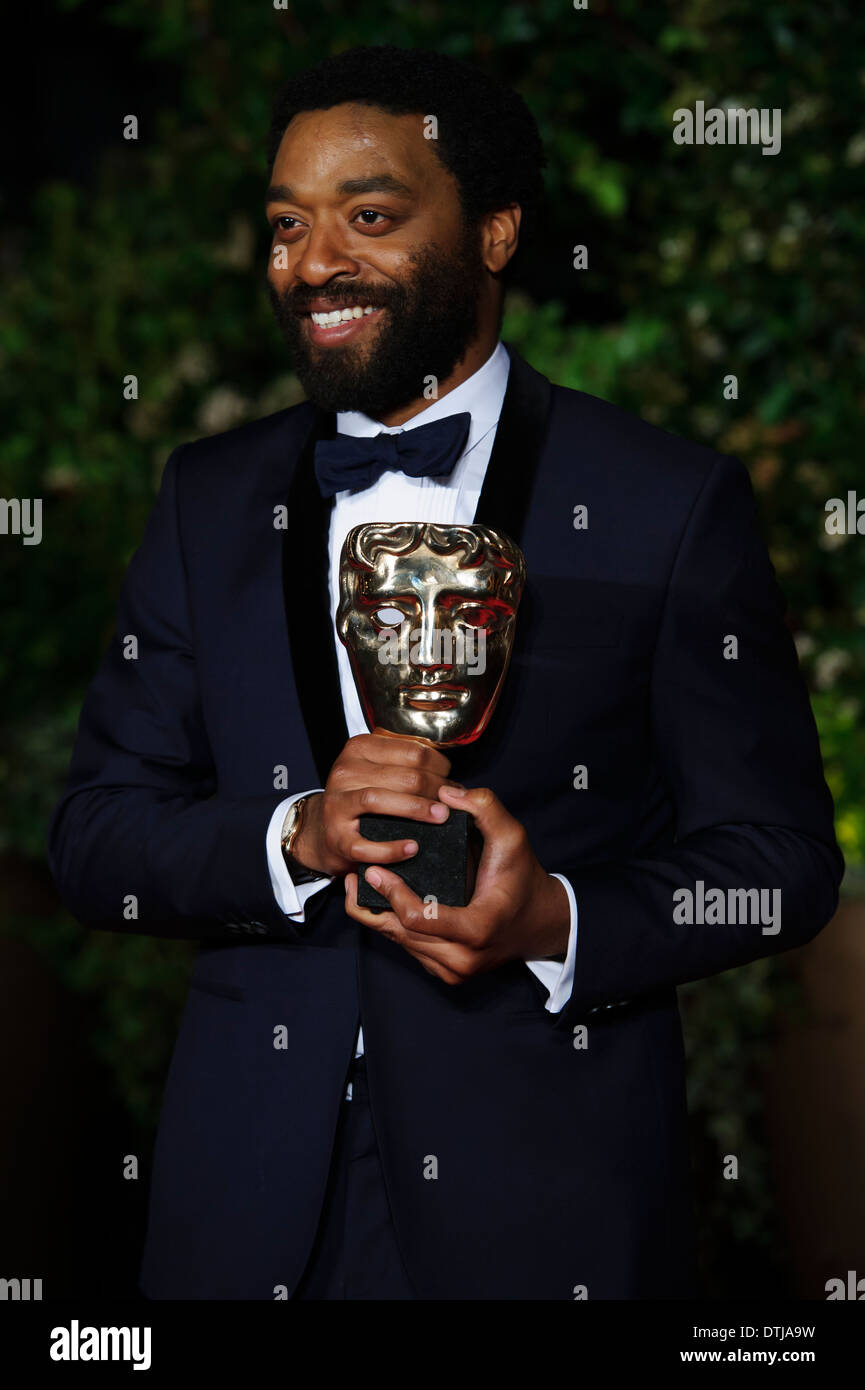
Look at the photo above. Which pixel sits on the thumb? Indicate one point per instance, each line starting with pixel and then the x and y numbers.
pixel 490 816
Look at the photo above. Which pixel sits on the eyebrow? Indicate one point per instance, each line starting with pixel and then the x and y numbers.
pixel 375 183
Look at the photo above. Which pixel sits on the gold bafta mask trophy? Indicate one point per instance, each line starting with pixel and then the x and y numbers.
pixel 427 614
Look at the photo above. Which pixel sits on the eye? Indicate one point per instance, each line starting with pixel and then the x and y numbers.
pixel 367 218
pixel 478 615
pixel 389 617
pixel 280 224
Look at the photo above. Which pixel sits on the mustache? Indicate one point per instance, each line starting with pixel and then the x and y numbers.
pixel 298 300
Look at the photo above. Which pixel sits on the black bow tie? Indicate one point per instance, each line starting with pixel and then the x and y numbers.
pixel 430 451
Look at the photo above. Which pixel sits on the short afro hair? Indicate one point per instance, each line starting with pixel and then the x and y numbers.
pixel 487 137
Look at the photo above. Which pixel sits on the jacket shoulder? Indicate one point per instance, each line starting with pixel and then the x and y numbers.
pixel 256 445
pixel 625 445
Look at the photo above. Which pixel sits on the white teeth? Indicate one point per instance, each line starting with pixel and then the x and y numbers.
pixel 356 311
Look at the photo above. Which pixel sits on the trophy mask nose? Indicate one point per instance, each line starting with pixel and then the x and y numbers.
pixel 429 648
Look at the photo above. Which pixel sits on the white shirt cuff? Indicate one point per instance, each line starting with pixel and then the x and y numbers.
pixel 289 895
pixel 559 979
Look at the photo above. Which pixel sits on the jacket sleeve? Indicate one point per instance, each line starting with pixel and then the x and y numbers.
pixel 737 747
pixel 141 839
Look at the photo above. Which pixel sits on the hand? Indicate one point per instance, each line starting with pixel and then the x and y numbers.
pixel 518 911
pixel 382 773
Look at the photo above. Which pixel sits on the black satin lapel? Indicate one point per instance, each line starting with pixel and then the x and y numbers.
pixel 517 450
pixel 305 575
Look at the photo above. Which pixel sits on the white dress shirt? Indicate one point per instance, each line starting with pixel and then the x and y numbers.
pixel 396 497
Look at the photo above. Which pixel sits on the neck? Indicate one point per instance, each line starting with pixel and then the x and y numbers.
pixel 477 353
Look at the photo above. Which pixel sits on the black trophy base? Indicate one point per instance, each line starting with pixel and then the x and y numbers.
pixel 439 869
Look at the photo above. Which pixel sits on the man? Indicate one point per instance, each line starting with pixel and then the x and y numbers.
pixel 488 1103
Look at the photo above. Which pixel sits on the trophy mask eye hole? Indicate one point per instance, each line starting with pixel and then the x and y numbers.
pixel 480 615
pixel 388 616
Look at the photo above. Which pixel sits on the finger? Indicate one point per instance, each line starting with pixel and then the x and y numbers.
pixel 430 963
pixel 450 934
pixel 469 927
pixel 450 960
pixel 489 814
pixel 396 777
pixel 387 924
pixel 406 908
pixel 361 851
pixel 384 801
pixel 405 904
pixel 382 745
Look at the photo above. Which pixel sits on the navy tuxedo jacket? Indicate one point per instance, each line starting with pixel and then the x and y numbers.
pixel 560 1140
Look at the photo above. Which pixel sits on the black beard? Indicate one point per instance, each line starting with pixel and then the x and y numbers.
pixel 431 320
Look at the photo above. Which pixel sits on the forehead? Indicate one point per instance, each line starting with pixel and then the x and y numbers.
pixel 423 572
pixel 355 141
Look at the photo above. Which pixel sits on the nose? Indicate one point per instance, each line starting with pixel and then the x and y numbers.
pixel 324 256
pixel 434 647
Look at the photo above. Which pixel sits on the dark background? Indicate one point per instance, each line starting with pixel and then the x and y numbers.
pixel 148 257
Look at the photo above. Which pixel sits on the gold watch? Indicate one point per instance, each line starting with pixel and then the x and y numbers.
pixel 291 827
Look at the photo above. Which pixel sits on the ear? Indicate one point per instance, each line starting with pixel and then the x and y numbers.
pixel 500 234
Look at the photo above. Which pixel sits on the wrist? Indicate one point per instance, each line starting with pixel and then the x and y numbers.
pixel 555 917
pixel 299 841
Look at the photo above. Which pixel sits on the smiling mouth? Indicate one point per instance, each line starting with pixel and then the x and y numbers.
pixel 333 326
pixel 329 318
pixel 434 697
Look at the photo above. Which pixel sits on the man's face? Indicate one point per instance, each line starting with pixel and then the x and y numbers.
pixel 367 223
pixel 429 640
